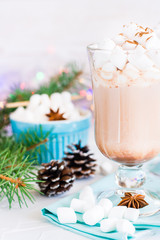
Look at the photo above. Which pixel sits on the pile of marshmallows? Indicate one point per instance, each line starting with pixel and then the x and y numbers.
pixel 135 52
pixel 111 218
pixel 40 105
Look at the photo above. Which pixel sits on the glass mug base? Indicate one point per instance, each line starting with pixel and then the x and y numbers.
pixel 131 179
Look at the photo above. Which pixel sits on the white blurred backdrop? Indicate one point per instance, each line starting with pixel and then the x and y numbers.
pixel 40 36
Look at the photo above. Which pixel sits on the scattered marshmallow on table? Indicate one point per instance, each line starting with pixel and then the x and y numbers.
pixel 131 214
pixel 87 195
pixel 107 205
pixel 66 215
pixel 125 226
pixel 78 205
pixel 117 212
pixel 108 225
pixel 93 215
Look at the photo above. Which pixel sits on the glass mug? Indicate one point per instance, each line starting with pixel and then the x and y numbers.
pixel 127 120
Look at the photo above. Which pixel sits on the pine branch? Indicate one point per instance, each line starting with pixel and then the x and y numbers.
pixel 17 174
pixel 57 83
pixel 37 144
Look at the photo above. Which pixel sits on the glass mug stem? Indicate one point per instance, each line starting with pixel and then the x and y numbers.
pixel 130 177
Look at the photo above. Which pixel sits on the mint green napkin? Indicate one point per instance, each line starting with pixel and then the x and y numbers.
pixel 93 232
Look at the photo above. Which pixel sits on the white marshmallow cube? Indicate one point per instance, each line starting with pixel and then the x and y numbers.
pixel 87 195
pixel 106 204
pixel 153 43
pixel 105 168
pixel 131 71
pixel 18 114
pixel 155 57
pixel 119 39
pixel 101 57
pixel 124 226
pixel 129 45
pixel 108 67
pixel 93 215
pixel 107 44
pixel 45 100
pixel 66 96
pixel 108 225
pixel 118 57
pixel 140 61
pixel 130 30
pixel 35 100
pixel 78 205
pixel 28 116
pixel 66 215
pixel 131 214
pixel 56 101
pixel 117 212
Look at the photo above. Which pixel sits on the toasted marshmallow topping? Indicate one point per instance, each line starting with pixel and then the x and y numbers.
pixel 130 58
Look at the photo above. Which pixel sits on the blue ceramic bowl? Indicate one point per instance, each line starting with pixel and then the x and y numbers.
pixel 61 134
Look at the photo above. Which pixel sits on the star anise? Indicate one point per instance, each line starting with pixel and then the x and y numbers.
pixel 55 115
pixel 133 201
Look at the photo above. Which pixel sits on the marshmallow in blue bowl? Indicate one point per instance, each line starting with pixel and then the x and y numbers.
pixel 72 129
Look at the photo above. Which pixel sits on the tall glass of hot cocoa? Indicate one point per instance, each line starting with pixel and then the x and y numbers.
pixel 126 84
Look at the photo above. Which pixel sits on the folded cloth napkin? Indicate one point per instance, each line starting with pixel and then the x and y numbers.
pixel 93 232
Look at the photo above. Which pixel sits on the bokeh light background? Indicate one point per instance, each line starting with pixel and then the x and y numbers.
pixel 37 37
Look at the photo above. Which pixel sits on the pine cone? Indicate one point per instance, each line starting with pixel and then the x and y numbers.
pixel 57 178
pixel 80 161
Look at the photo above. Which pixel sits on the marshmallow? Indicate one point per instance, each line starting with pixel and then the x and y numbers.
pixel 101 57
pixel 130 30
pixel 78 205
pixel 56 101
pixel 107 44
pixel 108 67
pixel 28 116
pixel 129 45
pixel 140 61
pixel 35 100
pixel 105 168
pixel 153 43
pixel 18 114
pixel 131 72
pixel 87 195
pixel 107 205
pixel 140 50
pixel 131 214
pixel 118 57
pixel 93 215
pixel 106 76
pixel 66 96
pixel 108 225
pixel 66 215
pixel 155 57
pixel 124 226
pixel 45 100
pixel 117 212
pixel 119 39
